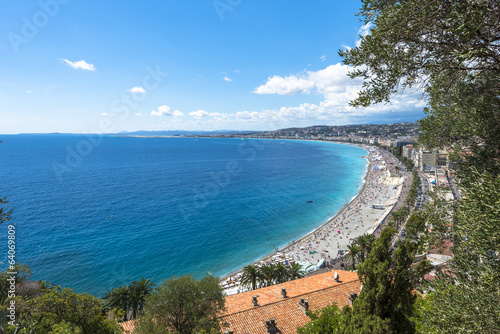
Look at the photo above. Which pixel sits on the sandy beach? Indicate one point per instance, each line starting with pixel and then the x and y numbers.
pixel 355 219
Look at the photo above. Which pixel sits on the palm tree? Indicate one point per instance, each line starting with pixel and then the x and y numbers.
pixel 397 169
pixel 47 285
pixel 364 242
pixel 267 275
pixel 138 291
pixel 396 216
pixel 118 298
pixel 353 254
pixel 280 273
pixel 361 241
pixel 295 271
pixel 251 275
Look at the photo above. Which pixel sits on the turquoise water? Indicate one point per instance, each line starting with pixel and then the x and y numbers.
pixel 95 213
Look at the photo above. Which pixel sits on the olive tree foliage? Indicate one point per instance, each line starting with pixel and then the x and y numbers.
pixel 447 50
pixel 465 295
pixel 386 302
pixel 63 311
pixel 5 214
pixel 183 305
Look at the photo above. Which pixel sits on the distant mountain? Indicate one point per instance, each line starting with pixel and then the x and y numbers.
pixel 181 133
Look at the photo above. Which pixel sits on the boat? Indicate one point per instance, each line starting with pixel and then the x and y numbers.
pixel 309 201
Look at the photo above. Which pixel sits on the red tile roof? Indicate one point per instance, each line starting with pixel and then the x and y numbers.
pixel 320 291
pixel 128 326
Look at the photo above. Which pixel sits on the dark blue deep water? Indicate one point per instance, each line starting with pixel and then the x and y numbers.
pixel 96 213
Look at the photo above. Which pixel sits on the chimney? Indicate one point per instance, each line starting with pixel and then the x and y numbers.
pixel 255 302
pixel 271 325
pixel 352 297
pixel 229 331
pixel 336 277
pixel 303 305
pixel 283 293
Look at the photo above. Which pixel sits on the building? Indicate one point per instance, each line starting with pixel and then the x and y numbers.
pixel 441 158
pixel 427 160
pixel 407 151
pixel 282 308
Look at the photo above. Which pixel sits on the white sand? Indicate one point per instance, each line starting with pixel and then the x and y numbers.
pixel 355 219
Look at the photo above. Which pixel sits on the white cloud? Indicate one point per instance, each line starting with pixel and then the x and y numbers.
pixel 285 86
pixel 137 89
pixel 28 91
pixel 323 57
pixel 198 114
pixel 138 114
pixel 365 29
pixel 336 90
pixel 329 80
pixel 226 78
pixel 104 114
pixel 363 32
pixel 80 65
pixel 177 113
pixel 165 111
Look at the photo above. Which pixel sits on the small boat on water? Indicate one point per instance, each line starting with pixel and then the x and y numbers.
pixel 309 201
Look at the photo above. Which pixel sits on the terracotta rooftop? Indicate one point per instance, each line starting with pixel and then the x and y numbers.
pixel 319 291
pixel 128 326
pixel 271 294
pixel 443 249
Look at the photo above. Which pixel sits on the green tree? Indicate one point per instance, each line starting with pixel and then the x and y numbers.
pixel 328 320
pixel 24 273
pixel 449 49
pixel 62 310
pixel 182 305
pixel 295 271
pixel 138 291
pixel 250 276
pixel 386 303
pixel 267 274
pixel 365 243
pixel 465 295
pixel 281 273
pixel 5 215
pixel 118 298
pixel 354 251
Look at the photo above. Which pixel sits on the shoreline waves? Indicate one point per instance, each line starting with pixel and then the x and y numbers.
pixel 355 218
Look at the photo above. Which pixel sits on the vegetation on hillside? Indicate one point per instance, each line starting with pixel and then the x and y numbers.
pixel 182 305
pixel 450 51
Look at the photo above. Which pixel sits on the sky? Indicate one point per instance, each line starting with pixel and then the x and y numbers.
pixel 109 66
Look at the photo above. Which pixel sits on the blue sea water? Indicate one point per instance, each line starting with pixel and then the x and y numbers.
pixel 95 213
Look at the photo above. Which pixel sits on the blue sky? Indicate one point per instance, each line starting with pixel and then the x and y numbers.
pixel 109 66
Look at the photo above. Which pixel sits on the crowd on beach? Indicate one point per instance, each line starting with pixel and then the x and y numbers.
pixel 329 242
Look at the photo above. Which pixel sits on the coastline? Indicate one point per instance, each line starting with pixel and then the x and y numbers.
pixel 369 179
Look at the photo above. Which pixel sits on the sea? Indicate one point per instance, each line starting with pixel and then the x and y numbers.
pixel 95 212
